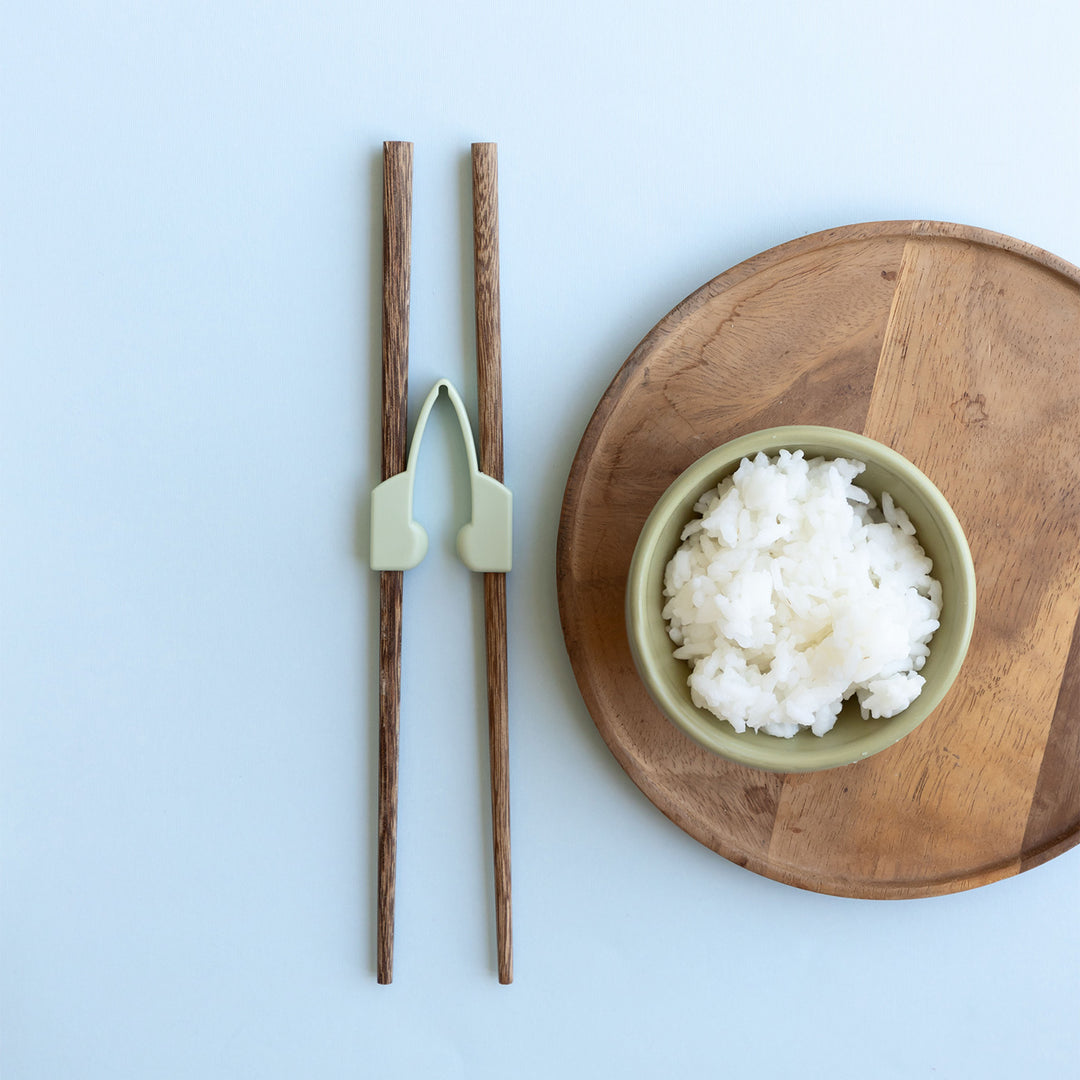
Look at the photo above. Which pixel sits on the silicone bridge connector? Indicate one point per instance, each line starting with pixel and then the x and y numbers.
pixel 400 543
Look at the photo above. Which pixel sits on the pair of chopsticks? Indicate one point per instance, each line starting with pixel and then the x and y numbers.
pixel 397 243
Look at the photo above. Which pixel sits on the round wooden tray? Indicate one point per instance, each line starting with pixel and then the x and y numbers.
pixel 960 348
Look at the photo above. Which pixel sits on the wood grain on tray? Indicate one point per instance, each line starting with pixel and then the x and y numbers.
pixel 959 348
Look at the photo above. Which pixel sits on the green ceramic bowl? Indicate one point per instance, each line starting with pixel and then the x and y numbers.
pixel 853 738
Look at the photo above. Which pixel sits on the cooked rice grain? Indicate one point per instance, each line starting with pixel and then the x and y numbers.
pixel 792 590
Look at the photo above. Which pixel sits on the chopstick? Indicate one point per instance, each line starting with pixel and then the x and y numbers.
pixel 397 243
pixel 485 178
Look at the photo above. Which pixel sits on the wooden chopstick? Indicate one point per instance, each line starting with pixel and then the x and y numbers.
pixel 397 244
pixel 485 177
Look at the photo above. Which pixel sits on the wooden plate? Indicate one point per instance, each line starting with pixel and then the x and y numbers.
pixel 960 348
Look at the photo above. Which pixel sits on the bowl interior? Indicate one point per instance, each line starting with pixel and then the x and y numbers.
pixel 853 738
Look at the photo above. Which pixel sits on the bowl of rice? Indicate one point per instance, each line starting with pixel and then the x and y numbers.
pixel 800 598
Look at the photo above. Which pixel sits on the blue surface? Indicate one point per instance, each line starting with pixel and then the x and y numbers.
pixel 189 339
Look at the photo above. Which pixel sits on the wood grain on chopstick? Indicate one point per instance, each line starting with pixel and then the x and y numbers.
pixel 485 168
pixel 489 381
pixel 397 243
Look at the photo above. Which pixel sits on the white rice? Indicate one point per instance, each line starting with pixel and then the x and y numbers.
pixel 792 591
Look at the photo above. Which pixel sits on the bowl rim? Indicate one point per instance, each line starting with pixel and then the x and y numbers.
pixel 701 725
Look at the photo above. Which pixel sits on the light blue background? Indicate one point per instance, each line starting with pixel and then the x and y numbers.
pixel 190 259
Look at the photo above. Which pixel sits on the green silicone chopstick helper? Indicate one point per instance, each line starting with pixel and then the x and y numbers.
pixel 399 543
